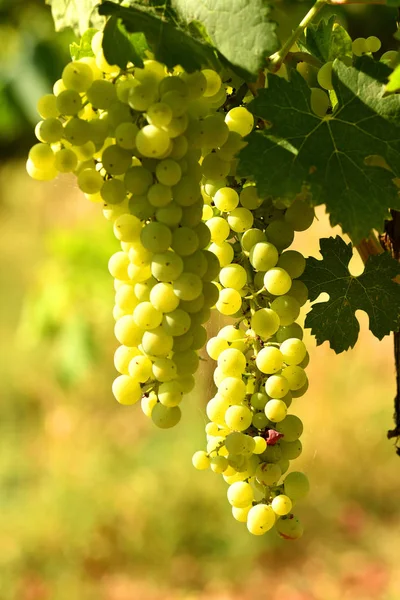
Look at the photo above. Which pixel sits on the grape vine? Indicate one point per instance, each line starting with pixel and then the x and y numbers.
pixel 207 159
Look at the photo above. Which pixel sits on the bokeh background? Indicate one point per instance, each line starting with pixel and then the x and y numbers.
pixel 95 503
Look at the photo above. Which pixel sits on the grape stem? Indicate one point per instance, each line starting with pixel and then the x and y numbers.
pixel 275 60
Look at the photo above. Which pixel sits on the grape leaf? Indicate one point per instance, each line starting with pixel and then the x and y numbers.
pixel 327 40
pixel 241 30
pixel 170 45
pixel 394 81
pixel 77 14
pixel 330 154
pixel 120 47
pixel 374 292
pixel 83 48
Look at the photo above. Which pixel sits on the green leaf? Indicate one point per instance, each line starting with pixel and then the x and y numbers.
pixel 394 80
pixel 77 14
pixel 327 40
pixel 374 292
pixel 169 44
pixel 241 30
pixel 121 47
pixel 84 47
pixel 329 155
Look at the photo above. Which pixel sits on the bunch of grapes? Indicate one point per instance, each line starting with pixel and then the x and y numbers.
pixel 158 148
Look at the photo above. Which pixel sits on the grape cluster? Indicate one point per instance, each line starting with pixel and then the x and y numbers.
pixel 158 149
pixel 261 358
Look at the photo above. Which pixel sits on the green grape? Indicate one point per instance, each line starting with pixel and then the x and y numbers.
pixel 263 256
pixel 250 238
pixel 219 229
pixel 280 233
pixel 213 266
pixel 118 265
pixel 116 160
pixel 177 101
pixel 166 266
pixel 157 342
pixel 269 360
pixel 186 382
pixel 291 427
pixel 77 76
pixel 296 486
pixel 215 167
pixel 143 289
pixel 165 417
pixel 215 346
pixel 113 191
pixel 188 286
pixel 233 388
pixel 47 107
pixel 122 358
pixel 156 237
pixel 259 420
pixel 249 198
pixel 196 83
pixel 235 338
pixel 277 282
pixel 281 505
pixel 216 409
pixel 268 473
pixel 289 331
pixel 259 400
pixel 90 181
pixel 146 316
pixel 170 394
pixel 126 390
pixel 289 528
pixel 360 46
pixel 293 262
pixel 390 58
pixel 127 228
pixel 236 442
pixel 226 199
pixel 140 368
pixel 49 131
pixel 176 322
pixel 137 180
pixel 152 141
pixel 287 309
pixel 319 102
pixel 200 460
pixel 163 297
pixel 118 113
pixel 101 94
pixel 169 215
pixel 159 195
pixel 65 160
pixel 293 351
pixel 197 263
pixel 240 219
pixel 277 386
pixel 324 76
pixel 184 241
pixel 159 114
pixel 99 129
pixel 240 120
pixel 211 186
pixel 260 444
pixel 213 82
pixel 265 322
pixel 299 292
pixel 140 207
pixel 77 131
pixel 300 215
pixel 168 172
pixel 200 336
pixel 125 135
pixel 229 301
pixel 233 276
pixel 238 417
pixel 240 494
pixel 186 191
pixel 42 156
pixel 187 362
pixel 192 306
pixel 296 377
pixel 224 253
pixel 260 519
pixel 141 96
pixel 69 103
pixel 179 147
pixel 291 450
pixel 219 464
pixel 127 332
pixel 183 342
pixel 275 410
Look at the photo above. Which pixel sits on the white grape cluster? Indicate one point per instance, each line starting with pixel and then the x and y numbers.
pixel 140 141
pixel 261 359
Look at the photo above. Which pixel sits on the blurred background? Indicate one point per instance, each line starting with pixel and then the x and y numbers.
pixel 95 503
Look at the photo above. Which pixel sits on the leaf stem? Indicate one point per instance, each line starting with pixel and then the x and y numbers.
pixel 276 59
